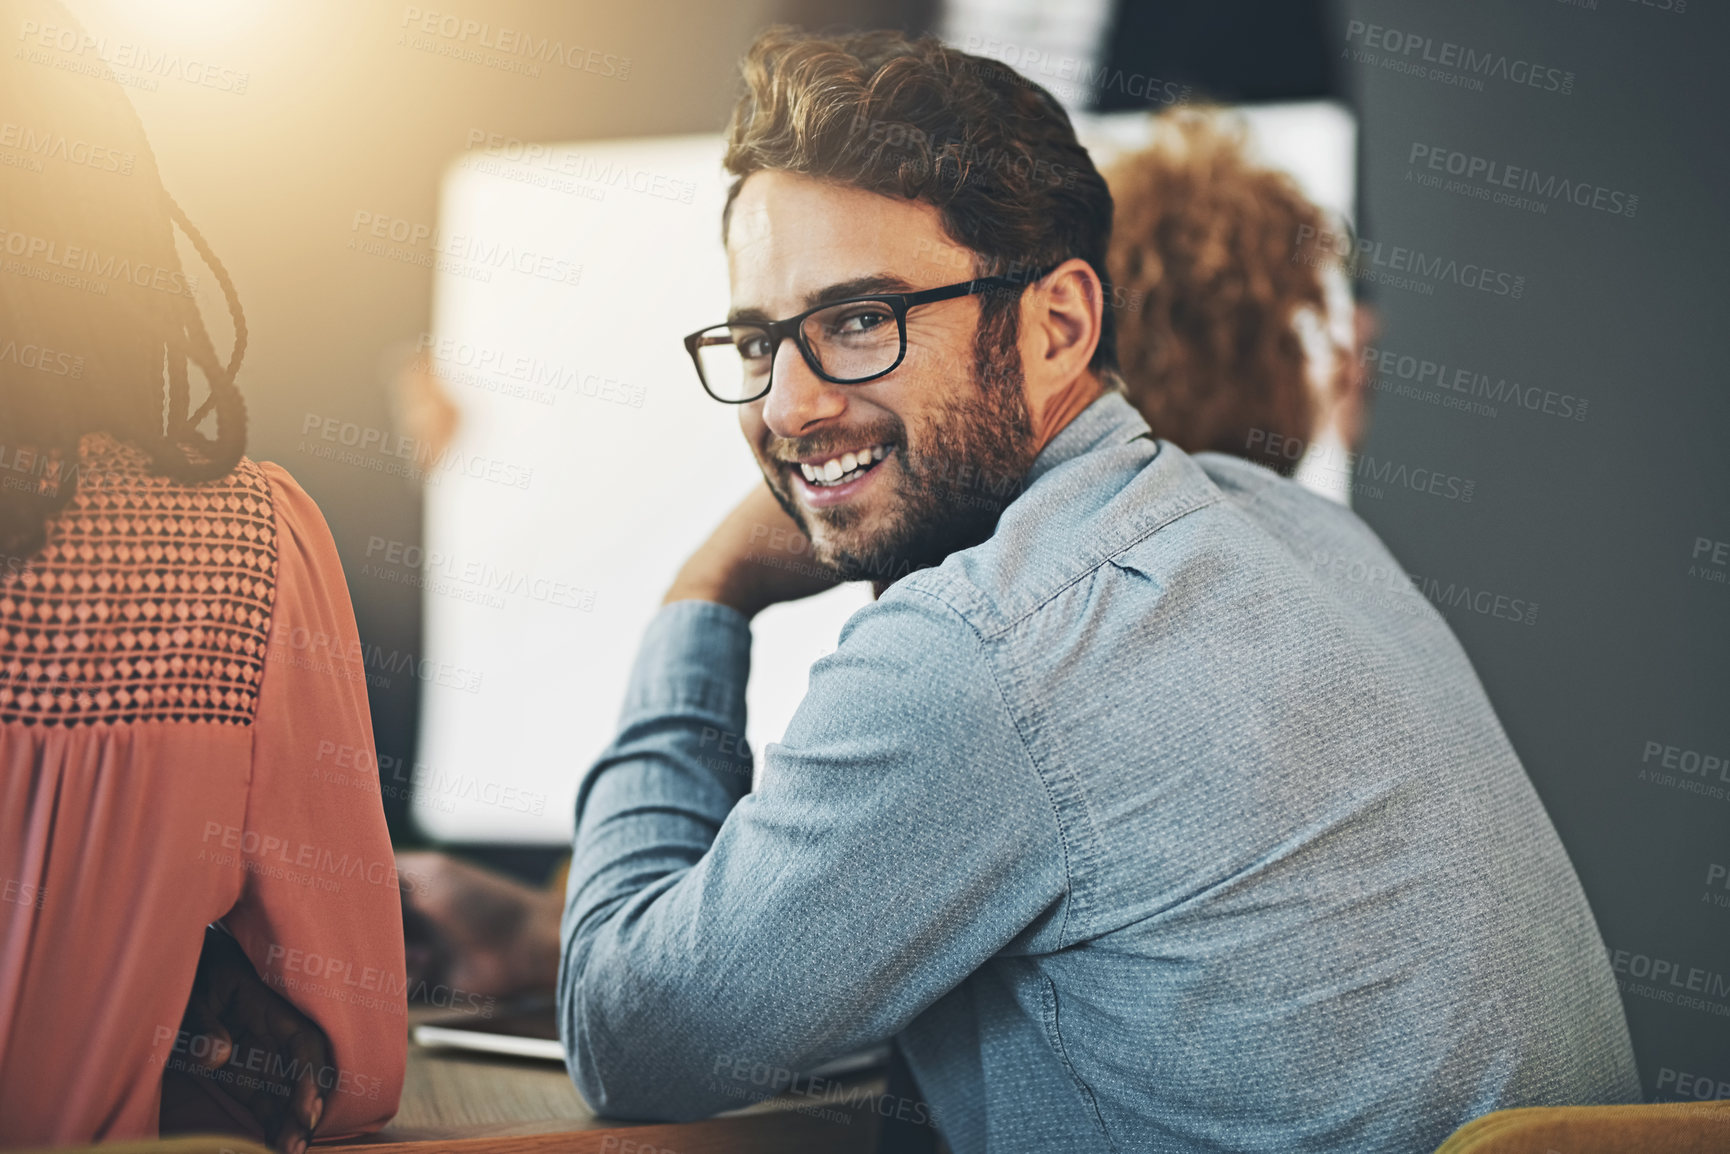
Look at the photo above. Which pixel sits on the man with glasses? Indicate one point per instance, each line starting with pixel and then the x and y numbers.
pixel 1147 806
pixel 953 482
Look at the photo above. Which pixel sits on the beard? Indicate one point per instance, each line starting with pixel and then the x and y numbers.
pixel 949 485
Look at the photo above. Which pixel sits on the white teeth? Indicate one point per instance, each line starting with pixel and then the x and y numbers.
pixel 833 469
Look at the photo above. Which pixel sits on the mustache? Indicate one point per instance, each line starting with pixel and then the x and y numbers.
pixel 786 452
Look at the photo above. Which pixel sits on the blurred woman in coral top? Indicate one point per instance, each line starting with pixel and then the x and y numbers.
pixel 178 664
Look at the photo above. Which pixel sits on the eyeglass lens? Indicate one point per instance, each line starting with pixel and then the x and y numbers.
pixel 851 341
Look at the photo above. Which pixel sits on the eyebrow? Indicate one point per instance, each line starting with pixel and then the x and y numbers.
pixel 844 290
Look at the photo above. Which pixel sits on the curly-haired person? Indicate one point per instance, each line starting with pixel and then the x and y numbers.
pixel 1236 336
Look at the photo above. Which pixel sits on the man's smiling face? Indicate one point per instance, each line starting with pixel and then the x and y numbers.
pixel 938 446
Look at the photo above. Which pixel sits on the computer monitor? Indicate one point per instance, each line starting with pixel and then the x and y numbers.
pixel 588 462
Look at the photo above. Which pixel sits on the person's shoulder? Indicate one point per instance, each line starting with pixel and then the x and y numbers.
pixel 121 485
pixel 1066 526
pixel 257 506
pixel 176 573
pixel 286 493
pixel 1287 509
pixel 916 615
pixel 1244 481
pixel 923 659
pixel 1236 474
pixel 300 524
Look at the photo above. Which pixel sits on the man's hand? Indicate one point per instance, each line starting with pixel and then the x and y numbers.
pixel 756 557
pixel 260 1036
pixel 476 930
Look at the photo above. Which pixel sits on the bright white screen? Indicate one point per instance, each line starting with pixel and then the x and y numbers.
pixel 547 587
pixel 619 494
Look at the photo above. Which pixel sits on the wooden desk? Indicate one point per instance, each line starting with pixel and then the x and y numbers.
pixel 485 1104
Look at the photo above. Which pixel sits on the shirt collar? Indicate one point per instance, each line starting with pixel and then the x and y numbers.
pixel 1109 419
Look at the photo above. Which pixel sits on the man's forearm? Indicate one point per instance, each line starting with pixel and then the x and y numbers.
pixel 902 837
pixel 680 752
pixel 650 808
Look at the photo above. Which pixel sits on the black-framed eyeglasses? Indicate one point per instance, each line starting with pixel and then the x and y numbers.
pixel 846 342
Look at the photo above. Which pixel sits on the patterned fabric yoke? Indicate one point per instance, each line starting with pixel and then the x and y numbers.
pixel 151 602
pixel 168 760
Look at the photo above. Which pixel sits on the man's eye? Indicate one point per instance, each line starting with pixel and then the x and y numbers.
pixel 859 322
pixel 753 347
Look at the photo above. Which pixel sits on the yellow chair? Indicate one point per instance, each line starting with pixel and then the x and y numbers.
pixel 1660 1128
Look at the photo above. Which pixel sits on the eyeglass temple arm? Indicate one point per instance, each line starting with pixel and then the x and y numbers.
pixel 783 330
pixel 977 285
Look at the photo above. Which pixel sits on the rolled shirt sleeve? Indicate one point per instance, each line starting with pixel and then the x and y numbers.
pixel 901 836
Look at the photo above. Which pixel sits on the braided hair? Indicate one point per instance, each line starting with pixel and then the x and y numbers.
pixel 98 323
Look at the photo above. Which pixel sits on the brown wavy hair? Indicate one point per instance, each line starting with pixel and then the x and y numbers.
pixel 1206 253
pixel 98 321
pixel 994 152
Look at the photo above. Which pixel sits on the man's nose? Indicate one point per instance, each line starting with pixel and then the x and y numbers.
pixel 799 398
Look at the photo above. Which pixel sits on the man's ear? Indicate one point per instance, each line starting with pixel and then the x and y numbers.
pixel 1061 319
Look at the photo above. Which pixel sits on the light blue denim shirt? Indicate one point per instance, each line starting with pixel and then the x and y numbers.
pixel 1169 818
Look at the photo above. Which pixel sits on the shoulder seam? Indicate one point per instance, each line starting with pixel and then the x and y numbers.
pixel 1102 561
